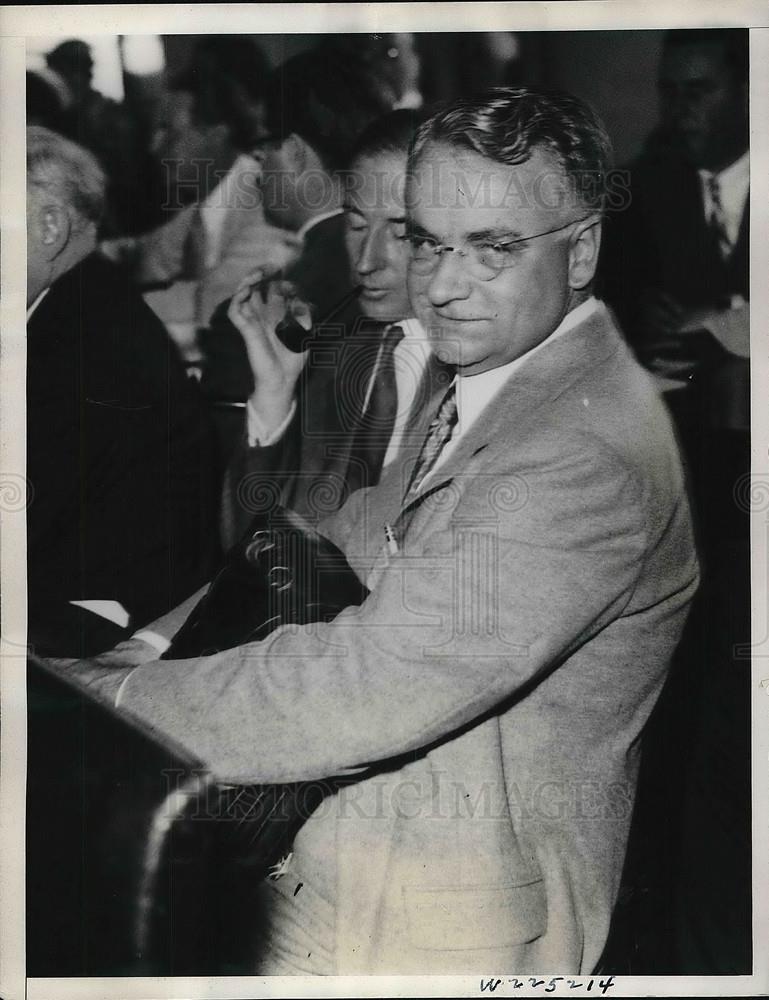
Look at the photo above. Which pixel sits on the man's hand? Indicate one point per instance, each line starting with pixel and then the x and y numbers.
pixel 101 676
pixel 256 309
pixel 672 344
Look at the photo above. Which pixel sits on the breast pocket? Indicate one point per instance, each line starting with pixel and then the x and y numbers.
pixel 497 916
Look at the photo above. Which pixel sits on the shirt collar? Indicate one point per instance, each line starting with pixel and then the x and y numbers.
pixel 736 173
pixel 475 391
pixel 412 329
pixel 37 302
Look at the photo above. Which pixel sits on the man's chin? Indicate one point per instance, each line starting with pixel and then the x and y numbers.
pixel 381 312
pixel 448 352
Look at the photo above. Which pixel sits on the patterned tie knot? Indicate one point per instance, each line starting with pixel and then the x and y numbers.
pixel 446 417
pixel 438 435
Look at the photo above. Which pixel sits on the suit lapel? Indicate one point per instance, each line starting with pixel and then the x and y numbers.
pixel 334 392
pixel 544 377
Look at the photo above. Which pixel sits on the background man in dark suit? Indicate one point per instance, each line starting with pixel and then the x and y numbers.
pixel 677 260
pixel 484 704
pixel 118 450
pixel 676 273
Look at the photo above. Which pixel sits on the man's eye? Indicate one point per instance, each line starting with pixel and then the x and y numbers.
pixel 398 232
pixel 497 255
pixel 423 244
pixel 499 249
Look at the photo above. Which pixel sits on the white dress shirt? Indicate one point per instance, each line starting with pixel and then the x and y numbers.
pixel 734 183
pixel 730 327
pixel 410 358
pixel 36 303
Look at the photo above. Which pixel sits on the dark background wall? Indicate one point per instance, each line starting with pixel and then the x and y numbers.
pixel 614 70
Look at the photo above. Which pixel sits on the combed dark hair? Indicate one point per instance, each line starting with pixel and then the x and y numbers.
pixel 74 54
pixel 733 40
pixel 392 133
pixel 507 124
pixel 67 171
pixel 325 101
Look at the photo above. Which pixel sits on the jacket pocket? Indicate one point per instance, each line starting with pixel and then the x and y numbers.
pixel 476 917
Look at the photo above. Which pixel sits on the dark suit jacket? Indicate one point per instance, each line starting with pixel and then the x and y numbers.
pixel 118 455
pixel 309 469
pixel 657 237
pixel 313 468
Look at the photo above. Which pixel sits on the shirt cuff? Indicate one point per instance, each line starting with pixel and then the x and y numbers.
pixel 259 434
pixel 731 328
pixel 154 639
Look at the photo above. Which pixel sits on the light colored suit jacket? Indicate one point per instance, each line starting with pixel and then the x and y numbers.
pixel 488 698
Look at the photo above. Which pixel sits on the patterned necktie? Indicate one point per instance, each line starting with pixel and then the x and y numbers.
pixel 438 436
pixel 717 220
pixel 380 407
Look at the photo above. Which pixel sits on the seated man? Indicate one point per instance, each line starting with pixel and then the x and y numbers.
pixel 483 706
pixel 677 274
pixel 215 231
pixel 677 260
pixel 315 109
pixel 118 452
pixel 326 421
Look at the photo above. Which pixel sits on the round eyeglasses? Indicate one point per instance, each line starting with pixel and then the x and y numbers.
pixel 483 259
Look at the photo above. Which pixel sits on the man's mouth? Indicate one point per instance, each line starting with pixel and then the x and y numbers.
pixel 450 318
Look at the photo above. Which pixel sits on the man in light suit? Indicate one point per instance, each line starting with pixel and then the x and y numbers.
pixel 530 570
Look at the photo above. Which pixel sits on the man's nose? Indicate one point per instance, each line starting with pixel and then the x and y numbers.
pixel 373 253
pixel 449 280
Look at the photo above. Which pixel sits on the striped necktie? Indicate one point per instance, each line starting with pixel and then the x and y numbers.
pixel 717 221
pixel 438 435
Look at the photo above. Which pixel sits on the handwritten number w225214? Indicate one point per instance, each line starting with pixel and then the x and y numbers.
pixel 602 986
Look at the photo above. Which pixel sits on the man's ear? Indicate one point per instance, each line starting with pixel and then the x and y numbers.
pixel 54 227
pixel 583 253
